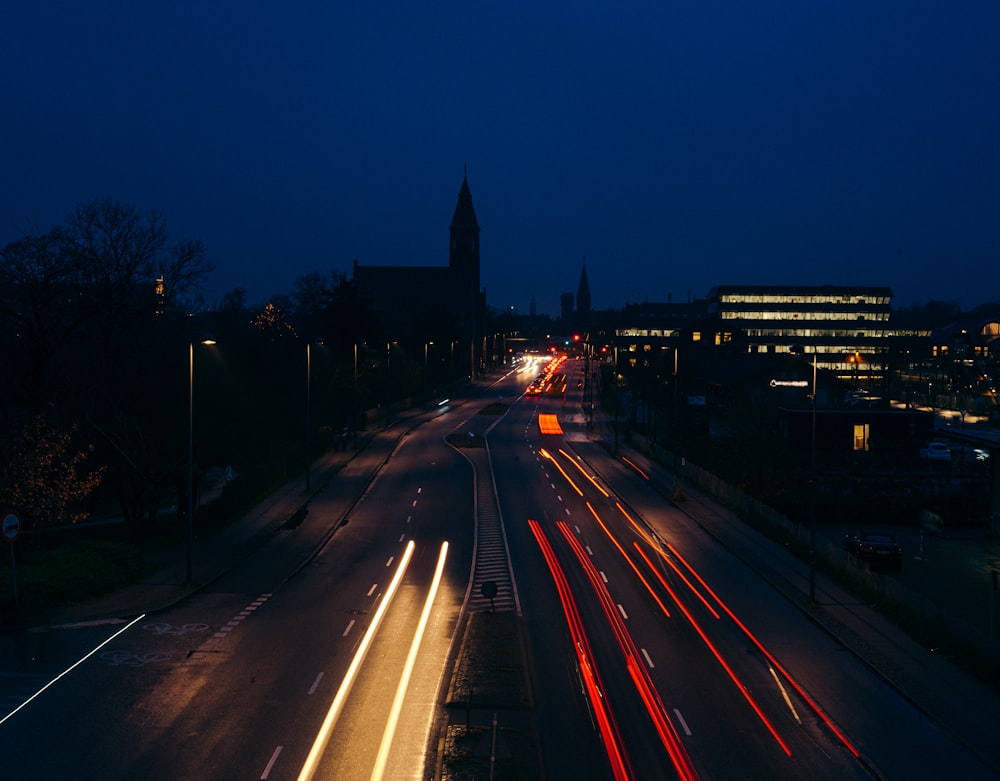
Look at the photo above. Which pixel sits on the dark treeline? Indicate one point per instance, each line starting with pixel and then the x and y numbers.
pixel 99 318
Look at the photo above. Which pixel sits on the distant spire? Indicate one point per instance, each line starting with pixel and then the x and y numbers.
pixel 464 218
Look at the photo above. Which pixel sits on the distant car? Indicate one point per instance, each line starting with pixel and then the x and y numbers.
pixel 981 454
pixel 876 549
pixel 936 451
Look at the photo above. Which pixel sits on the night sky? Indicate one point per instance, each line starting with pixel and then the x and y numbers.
pixel 674 145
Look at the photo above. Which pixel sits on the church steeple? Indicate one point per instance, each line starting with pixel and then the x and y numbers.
pixel 583 298
pixel 463 260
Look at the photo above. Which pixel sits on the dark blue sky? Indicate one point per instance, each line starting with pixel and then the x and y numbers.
pixel 675 145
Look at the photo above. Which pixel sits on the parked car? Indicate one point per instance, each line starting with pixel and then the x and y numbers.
pixel 936 451
pixel 876 549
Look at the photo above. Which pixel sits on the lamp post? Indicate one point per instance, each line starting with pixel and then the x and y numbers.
pixel 812 494
pixel 319 341
pixel 354 427
pixel 189 568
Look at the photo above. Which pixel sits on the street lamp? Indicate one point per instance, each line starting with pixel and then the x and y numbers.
pixel 427 374
pixel 317 341
pixel 799 349
pixel 208 340
pixel 812 493
pixel 354 427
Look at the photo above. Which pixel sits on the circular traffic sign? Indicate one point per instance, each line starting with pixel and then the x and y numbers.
pixel 11 527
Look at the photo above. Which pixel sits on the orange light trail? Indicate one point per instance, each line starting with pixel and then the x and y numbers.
pixel 635 467
pixel 631 563
pixel 549 424
pixel 656 546
pixel 546 454
pixel 582 472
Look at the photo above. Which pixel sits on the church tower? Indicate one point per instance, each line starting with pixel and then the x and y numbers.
pixel 463 261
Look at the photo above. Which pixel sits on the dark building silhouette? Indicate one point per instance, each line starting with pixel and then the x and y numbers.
pixel 417 304
pixel 583 302
pixel 566 309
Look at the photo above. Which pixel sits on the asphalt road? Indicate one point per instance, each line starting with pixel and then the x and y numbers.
pixel 239 680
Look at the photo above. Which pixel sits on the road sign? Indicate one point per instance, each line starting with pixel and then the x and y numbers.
pixel 11 527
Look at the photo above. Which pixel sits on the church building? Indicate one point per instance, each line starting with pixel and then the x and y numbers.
pixel 444 304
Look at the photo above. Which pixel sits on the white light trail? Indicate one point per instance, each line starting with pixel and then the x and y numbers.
pixel 411 659
pixel 323 736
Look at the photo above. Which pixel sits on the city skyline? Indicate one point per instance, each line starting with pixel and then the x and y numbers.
pixel 672 149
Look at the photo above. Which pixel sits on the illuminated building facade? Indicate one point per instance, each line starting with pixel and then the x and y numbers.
pixel 847 327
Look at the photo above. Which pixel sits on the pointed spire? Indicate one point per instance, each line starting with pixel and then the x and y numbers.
pixel 464 218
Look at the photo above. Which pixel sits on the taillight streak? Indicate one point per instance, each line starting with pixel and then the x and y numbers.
pixel 716 653
pixel 637 672
pixel 760 646
pixel 608 728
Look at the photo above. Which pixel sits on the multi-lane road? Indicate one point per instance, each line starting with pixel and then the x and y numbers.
pixel 654 652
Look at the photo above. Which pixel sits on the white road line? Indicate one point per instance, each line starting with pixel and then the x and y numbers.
pixel 684 724
pixel 575 526
pixel 312 689
pixel 350 626
pixel 389 562
pixel 270 764
pixel 604 577
pixel 589 551
pixel 372 589
pixel 414 503
pixel 622 611
pixel 73 666
pixel 649 661
pixel 784 694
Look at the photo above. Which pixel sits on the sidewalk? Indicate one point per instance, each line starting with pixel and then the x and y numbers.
pixel 212 554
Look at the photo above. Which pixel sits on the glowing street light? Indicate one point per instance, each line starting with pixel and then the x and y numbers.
pixel 207 340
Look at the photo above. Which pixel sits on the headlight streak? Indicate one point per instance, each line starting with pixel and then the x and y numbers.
pixel 637 672
pixel 546 454
pixel 323 736
pixel 814 706
pixel 411 659
pixel 607 727
pixel 582 472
